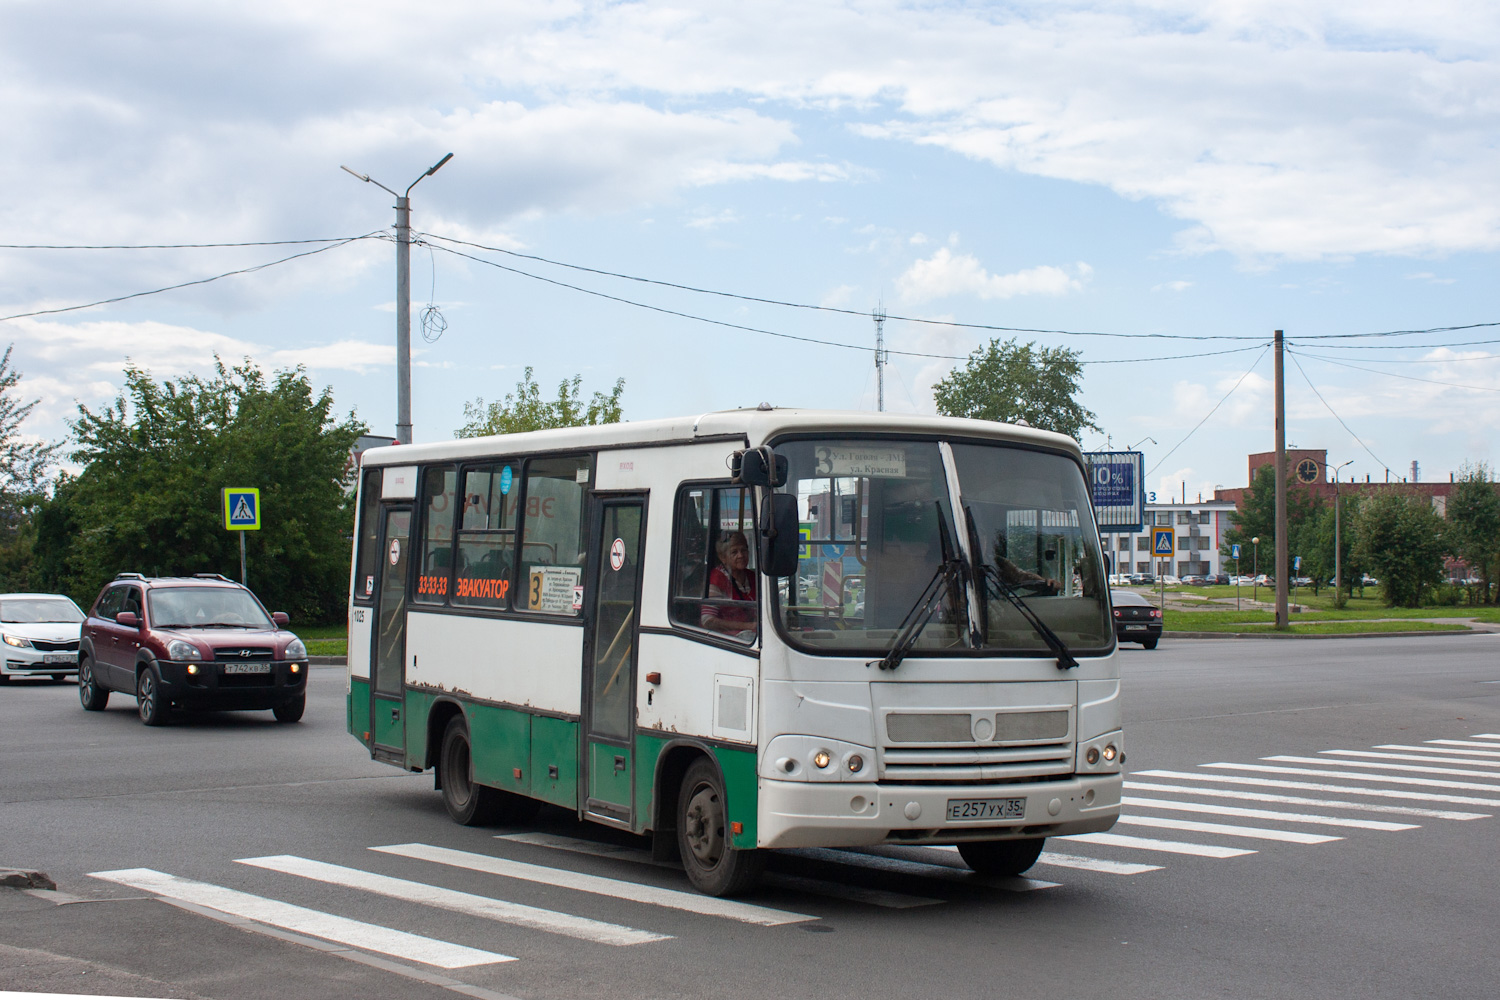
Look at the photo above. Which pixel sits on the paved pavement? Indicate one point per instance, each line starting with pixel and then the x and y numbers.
pixel 1301 819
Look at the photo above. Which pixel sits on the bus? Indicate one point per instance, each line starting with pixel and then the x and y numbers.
pixel 745 630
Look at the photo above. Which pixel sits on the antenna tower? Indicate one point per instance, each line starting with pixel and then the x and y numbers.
pixel 881 354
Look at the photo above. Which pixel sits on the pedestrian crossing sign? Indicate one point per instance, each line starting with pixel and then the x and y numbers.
pixel 242 509
pixel 1161 542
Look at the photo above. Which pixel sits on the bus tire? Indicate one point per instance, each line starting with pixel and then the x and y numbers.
pixel 1001 857
pixel 713 865
pixel 469 803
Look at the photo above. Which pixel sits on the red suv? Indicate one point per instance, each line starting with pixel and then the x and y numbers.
pixel 199 642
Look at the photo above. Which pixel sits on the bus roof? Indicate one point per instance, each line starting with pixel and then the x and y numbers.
pixel 753 426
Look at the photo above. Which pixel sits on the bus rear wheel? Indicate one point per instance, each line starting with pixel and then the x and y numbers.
pixel 467 801
pixel 713 864
pixel 1001 857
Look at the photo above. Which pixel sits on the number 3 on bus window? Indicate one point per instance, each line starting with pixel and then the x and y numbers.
pixel 825 462
pixel 536 590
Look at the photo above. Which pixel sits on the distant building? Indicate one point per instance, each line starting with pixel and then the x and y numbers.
pixel 1307 468
pixel 1198 530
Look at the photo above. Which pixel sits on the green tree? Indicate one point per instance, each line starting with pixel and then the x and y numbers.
pixel 1010 382
pixel 526 410
pixel 24 468
pixel 1400 538
pixel 1474 525
pixel 1256 518
pixel 148 496
pixel 1313 541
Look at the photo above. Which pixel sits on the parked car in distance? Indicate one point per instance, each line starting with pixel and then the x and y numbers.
pixel 199 642
pixel 1136 619
pixel 1142 580
pixel 1193 580
pixel 1218 580
pixel 1170 580
pixel 41 634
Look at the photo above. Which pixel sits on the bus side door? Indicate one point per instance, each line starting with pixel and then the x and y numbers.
pixel 388 657
pixel 609 655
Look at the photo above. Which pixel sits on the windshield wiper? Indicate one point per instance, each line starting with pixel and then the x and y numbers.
pixel 982 575
pixel 947 581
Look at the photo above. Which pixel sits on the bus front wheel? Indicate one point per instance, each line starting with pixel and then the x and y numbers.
pixel 712 863
pixel 1001 857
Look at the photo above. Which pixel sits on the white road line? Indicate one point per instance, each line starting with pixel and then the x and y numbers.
pixel 1226 829
pixel 1312 786
pixel 1377 765
pixel 519 914
pixel 921 869
pixel 314 923
pixel 1287 817
pixel 1485 736
pixel 1095 864
pixel 1298 800
pixel 799 883
pixel 1392 779
pixel 652 895
pixel 1146 844
pixel 1377 755
pixel 1447 750
pixel 1462 743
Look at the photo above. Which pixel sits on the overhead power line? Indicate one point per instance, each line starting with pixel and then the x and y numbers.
pixel 1210 413
pixel 184 284
pixel 1330 409
pixel 1409 378
pixel 171 246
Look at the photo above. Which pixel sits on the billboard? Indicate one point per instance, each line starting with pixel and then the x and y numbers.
pixel 1115 478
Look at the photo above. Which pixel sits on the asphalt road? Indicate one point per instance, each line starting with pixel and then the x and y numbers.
pixel 1403 904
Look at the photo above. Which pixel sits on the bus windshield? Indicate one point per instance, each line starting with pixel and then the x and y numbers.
pixel 873 515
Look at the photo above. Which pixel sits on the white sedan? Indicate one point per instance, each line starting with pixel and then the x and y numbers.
pixel 40 634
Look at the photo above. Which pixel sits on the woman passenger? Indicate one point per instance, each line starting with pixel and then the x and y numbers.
pixel 731 580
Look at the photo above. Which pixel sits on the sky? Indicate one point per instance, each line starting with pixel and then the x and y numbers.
pixel 1181 177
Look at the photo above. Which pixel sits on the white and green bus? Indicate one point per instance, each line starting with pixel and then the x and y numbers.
pixel 920 650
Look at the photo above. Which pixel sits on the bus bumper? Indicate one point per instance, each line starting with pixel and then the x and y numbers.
pixel 845 814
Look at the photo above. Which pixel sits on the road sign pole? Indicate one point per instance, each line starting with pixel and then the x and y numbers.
pixel 243 579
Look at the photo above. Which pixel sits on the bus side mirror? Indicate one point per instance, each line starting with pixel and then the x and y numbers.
pixel 777 535
pixel 761 467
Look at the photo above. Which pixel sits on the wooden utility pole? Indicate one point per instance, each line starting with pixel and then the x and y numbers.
pixel 1281 539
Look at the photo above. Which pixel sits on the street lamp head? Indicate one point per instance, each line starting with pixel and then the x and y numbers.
pixel 1255 540
pixel 428 173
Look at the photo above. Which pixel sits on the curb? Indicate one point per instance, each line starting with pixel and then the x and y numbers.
pixel 1323 635
pixel 327 661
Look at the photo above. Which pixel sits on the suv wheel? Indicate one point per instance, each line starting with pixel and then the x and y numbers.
pixel 154 709
pixel 90 694
pixel 291 710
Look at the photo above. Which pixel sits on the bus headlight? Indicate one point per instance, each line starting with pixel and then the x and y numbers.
pixel 816 759
pixel 822 759
pixel 1104 754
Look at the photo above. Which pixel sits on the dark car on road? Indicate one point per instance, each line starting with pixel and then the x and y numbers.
pixel 199 642
pixel 1136 619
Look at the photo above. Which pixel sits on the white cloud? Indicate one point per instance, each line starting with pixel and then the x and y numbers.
pixel 1172 286
pixel 839 296
pixel 724 217
pixel 945 274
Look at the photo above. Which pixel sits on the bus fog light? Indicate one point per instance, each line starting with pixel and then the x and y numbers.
pixel 857 804
pixel 1092 755
pixel 855 762
pixel 1109 752
pixel 822 759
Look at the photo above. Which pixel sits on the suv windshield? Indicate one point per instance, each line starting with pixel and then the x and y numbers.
pixel 206 607
pixel 871 513
pixel 31 611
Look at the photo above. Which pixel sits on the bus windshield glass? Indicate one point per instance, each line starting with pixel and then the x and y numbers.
pixel 874 515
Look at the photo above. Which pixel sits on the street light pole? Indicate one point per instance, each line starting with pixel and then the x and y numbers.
pixel 1255 571
pixel 403 296
pixel 1338 550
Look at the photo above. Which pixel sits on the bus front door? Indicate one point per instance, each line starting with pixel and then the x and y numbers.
pixel 609 654
pixel 388 656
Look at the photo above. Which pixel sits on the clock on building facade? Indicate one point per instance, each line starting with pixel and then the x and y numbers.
pixel 1307 471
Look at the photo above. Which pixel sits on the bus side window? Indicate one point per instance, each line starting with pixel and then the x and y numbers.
pixel 368 559
pixel 708 519
pixel 553 551
pixel 436 566
pixel 487 536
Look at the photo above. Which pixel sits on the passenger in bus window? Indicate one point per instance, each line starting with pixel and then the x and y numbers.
pixel 731 580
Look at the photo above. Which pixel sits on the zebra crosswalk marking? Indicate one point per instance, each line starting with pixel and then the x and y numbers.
pixel 675 899
pixel 1165 846
pixel 1486 736
pixel 519 914
pixel 1393 779
pixel 1082 863
pixel 1378 765
pixel 1461 743
pixel 313 923
pixel 1447 750
pixel 1377 755
pixel 1299 800
pixel 1310 786
pixel 799 883
pixel 1226 829
pixel 1288 817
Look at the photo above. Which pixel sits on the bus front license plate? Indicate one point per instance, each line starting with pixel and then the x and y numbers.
pixel 961 809
pixel 247 668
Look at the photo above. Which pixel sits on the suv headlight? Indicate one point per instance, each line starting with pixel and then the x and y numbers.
pixel 179 649
pixel 295 650
pixel 18 642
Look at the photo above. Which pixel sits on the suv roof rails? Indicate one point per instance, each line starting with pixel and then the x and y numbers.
pixel 129 576
pixel 212 576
